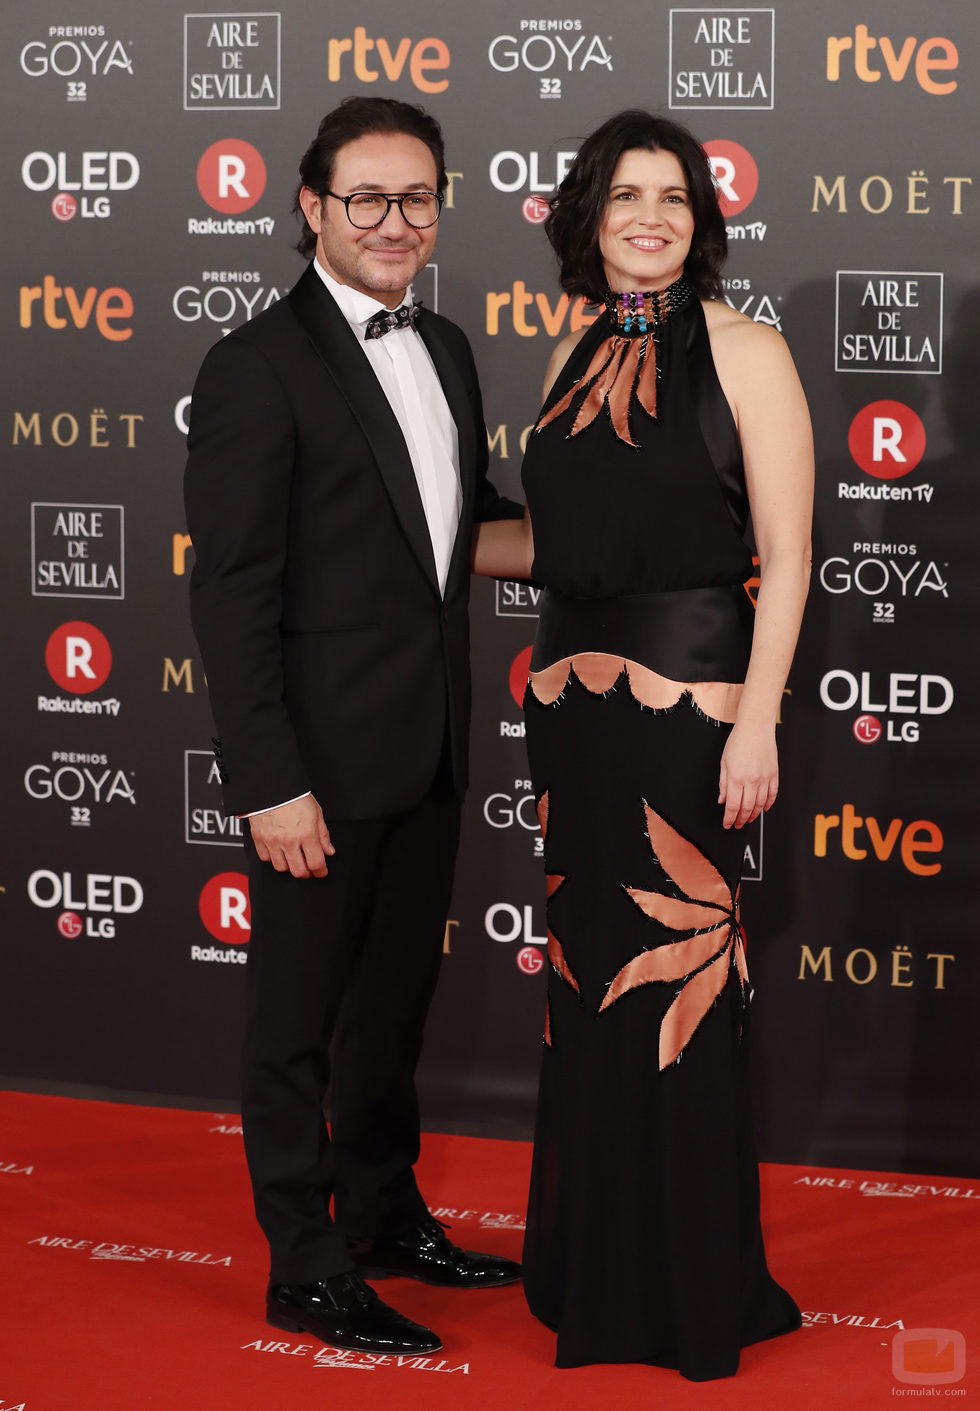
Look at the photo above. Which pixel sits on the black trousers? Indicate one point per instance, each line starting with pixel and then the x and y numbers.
pixel 341 972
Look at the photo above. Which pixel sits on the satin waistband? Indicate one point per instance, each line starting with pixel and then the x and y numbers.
pixel 692 634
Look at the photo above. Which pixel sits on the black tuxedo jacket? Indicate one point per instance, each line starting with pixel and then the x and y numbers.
pixel 334 664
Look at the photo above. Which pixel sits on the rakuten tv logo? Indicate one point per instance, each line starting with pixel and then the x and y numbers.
pixel 224 910
pixel 231 176
pixel 887 440
pixel 78 657
pixel 734 173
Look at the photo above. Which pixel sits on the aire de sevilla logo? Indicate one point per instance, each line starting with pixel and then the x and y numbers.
pixel 231 176
pixel 78 657
pixel 735 174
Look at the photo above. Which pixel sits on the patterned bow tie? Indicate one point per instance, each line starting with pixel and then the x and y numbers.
pixel 405 316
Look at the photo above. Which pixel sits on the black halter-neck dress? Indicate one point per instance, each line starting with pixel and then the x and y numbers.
pixel 643 1235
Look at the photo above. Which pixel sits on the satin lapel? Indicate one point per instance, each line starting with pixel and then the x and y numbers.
pixel 462 413
pixel 336 347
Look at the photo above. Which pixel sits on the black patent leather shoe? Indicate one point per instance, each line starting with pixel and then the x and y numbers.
pixel 425 1252
pixel 344 1312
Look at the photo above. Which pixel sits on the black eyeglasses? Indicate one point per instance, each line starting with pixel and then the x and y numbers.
pixel 366 209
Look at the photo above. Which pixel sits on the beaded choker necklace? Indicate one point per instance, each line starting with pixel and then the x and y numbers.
pixel 626 368
pixel 636 313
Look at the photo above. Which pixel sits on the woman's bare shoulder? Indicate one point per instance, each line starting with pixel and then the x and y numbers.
pixel 736 332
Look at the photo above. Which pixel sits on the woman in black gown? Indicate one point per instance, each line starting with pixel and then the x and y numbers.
pixel 650 717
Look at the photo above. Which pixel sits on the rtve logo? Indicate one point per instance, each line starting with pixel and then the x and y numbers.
pixel 78 657
pixel 110 307
pixel 852 831
pixel 931 54
pixel 421 56
pixel 231 176
pixel 887 439
pixel 522 302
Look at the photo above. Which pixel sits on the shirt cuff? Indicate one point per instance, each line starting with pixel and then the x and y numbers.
pixel 259 811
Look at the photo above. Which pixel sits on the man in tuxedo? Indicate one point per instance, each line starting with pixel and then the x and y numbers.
pixel 337 462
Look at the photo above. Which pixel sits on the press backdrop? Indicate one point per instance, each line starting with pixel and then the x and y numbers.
pixel 149 164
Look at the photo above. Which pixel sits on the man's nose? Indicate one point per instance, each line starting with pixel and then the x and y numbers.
pixel 394 223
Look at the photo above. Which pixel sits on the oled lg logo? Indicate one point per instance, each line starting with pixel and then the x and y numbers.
pixel 90 903
pixel 506 923
pixel 231 178
pixel 539 177
pixel 87 174
pixel 887 440
pixel 903 694
pixel 223 907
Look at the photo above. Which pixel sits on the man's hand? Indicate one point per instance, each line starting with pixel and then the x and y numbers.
pixel 293 837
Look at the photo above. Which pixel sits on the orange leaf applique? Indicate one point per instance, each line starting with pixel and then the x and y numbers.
pixel 709 911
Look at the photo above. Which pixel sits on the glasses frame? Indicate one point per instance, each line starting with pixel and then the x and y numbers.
pixel 391 198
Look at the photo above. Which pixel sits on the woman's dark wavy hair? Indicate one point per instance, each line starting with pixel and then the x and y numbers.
pixel 362 117
pixel 578 206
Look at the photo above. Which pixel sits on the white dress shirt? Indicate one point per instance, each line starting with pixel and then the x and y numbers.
pixel 408 378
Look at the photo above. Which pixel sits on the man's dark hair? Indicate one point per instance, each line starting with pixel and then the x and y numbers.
pixel 579 205
pixel 362 117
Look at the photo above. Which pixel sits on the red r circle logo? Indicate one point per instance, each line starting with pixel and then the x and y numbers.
pixel 734 173
pixel 517 676
pixel 78 657
pixel 887 439
pixel 231 175
pixel 224 908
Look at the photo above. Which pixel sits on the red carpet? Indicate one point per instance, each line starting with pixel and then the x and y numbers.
pixel 134 1273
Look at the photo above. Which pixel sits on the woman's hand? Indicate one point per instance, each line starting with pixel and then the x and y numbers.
pixel 749 778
